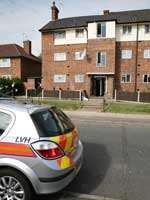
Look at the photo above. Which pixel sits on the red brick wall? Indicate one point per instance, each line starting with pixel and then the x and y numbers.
pixel 71 67
pixel 30 68
pixel 143 67
pixel 14 70
pixel 125 66
pixel 129 65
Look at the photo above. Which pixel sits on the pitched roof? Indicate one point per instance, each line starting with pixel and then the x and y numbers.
pixel 14 50
pixel 133 16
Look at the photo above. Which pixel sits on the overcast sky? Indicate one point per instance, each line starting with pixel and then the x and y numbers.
pixel 21 19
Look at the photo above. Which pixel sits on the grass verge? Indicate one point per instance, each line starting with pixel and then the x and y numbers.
pixel 123 107
pixel 63 104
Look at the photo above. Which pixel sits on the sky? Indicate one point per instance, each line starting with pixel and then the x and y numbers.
pixel 21 19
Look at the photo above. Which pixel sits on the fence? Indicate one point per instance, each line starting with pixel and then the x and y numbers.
pixel 60 94
pixel 132 96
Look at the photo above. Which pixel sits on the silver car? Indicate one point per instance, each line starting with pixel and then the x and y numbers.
pixel 39 149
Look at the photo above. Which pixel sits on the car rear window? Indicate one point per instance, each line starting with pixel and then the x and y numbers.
pixel 53 122
pixel 5 120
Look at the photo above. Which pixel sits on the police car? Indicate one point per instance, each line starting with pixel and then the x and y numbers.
pixel 39 150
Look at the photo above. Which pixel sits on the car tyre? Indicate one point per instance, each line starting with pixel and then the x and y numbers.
pixel 14 185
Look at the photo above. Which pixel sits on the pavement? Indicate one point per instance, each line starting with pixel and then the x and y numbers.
pixel 116 158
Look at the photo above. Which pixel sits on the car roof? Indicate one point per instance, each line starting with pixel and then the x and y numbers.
pixel 19 106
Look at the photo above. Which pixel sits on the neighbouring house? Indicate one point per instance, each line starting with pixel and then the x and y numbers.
pixel 97 54
pixel 17 61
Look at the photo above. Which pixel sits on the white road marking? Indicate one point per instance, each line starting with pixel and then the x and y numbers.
pixel 87 196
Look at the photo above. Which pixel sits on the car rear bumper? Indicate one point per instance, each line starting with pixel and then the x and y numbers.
pixel 53 185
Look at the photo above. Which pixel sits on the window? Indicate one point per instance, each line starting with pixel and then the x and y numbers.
pixel 60 35
pixel 5 62
pixel 59 78
pixel 126 54
pixel 101 30
pixel 5 120
pixel 147 78
pixel 79 33
pixel 80 55
pixel 127 29
pixel 52 122
pixel 79 78
pixel 147 53
pixel 101 59
pixel 147 28
pixel 126 78
pixel 59 56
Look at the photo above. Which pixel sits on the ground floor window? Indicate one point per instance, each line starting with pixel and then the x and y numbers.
pixel 79 78
pixel 125 78
pixel 59 78
pixel 5 62
pixel 147 78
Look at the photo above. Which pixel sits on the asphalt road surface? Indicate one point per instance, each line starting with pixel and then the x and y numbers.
pixel 116 158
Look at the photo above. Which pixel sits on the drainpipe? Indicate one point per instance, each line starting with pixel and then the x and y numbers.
pixel 136 57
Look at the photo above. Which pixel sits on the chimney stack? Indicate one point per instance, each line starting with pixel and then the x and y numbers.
pixel 27 45
pixel 55 12
pixel 106 12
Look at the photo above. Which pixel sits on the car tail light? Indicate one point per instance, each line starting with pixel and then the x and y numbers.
pixel 48 150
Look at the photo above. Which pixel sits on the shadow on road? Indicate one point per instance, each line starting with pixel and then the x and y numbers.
pixel 95 165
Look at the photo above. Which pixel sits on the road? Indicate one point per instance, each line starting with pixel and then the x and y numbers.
pixel 116 158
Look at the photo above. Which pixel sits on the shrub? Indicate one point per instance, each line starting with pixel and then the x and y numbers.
pixel 12 86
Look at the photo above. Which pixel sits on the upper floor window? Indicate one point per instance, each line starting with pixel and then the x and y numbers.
pixel 79 33
pixel 60 35
pixel 147 78
pixel 79 78
pixel 147 53
pixel 147 28
pixel 127 29
pixel 5 62
pixel 59 78
pixel 59 56
pixel 101 59
pixel 101 30
pixel 5 120
pixel 126 54
pixel 80 55
pixel 126 78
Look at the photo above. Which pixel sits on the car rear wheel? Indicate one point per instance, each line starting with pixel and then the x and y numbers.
pixel 13 185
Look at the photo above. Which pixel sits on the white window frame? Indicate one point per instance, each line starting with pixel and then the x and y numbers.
pixel 147 25
pixel 79 78
pixel 59 35
pixel 126 54
pixel 60 56
pixel 147 53
pixel 59 78
pixel 101 64
pixel 80 55
pixel 79 34
pixel 5 62
pixel 125 76
pixel 148 77
pixel 103 30
pixel 127 32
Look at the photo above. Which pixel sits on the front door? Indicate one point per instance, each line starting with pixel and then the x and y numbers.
pixel 98 86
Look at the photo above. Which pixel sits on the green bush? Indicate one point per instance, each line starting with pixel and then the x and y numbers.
pixel 12 86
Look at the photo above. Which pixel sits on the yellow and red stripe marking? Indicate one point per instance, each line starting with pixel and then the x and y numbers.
pixel 16 149
pixel 68 142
